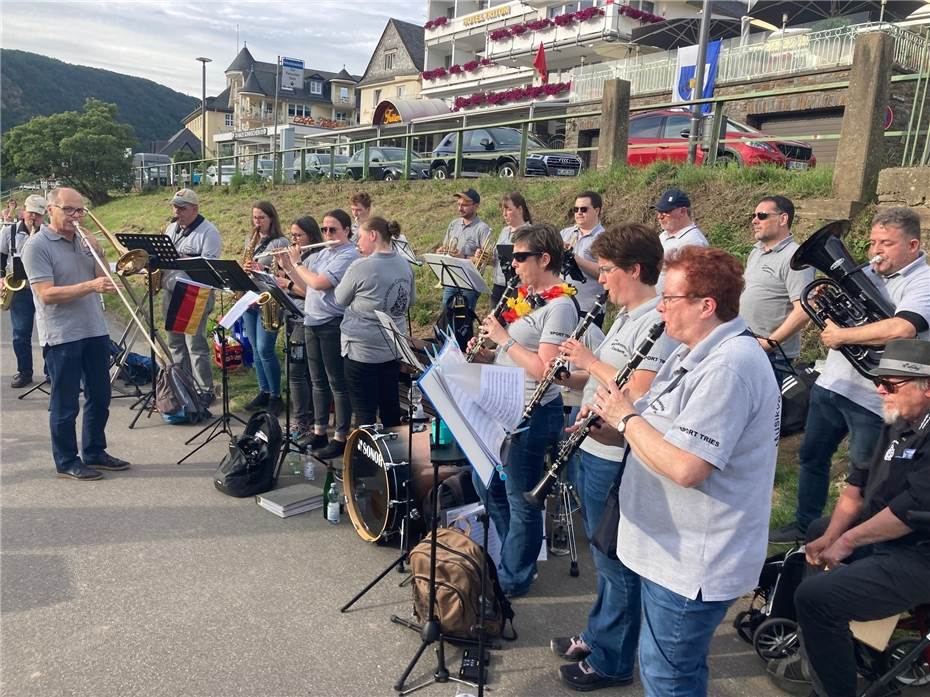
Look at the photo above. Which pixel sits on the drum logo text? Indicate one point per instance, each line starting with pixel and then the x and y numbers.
pixel 371 453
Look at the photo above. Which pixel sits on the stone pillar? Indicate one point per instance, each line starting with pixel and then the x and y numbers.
pixel 862 142
pixel 615 124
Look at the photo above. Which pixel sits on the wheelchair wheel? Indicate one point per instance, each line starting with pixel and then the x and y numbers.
pixel 915 675
pixel 777 637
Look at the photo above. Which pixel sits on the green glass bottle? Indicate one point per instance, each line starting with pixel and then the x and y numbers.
pixel 327 488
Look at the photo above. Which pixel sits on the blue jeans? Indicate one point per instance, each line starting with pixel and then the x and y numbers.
pixel 518 523
pixel 830 418
pixel 675 640
pixel 267 366
pixel 68 365
pixel 614 619
pixel 471 297
pixel 22 313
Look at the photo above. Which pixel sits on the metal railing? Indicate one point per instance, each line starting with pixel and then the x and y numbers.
pixel 822 50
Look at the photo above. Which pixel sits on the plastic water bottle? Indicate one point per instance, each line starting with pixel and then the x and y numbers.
pixel 333 503
pixel 293 462
pixel 309 467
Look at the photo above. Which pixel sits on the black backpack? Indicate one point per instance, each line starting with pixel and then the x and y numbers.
pixel 249 467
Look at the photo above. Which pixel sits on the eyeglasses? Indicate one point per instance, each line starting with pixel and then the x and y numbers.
pixel 71 210
pixel 762 216
pixel 667 299
pixel 606 269
pixel 329 230
pixel 892 386
pixel 579 209
pixel 523 256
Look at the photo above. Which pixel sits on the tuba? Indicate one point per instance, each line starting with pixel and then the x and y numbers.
pixel 845 296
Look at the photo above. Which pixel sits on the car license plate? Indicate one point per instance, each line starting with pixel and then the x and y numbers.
pixel 797 164
pixel 565 173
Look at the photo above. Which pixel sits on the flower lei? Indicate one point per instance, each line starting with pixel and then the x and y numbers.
pixel 526 302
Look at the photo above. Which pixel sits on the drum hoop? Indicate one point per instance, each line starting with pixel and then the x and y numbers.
pixel 387 466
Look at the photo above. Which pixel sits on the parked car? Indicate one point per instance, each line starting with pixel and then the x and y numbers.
pixel 386 164
pixel 246 165
pixel 318 165
pixel 496 150
pixel 150 169
pixel 663 135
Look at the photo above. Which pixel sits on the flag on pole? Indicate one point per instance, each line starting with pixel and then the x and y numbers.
pixel 187 307
pixel 540 64
pixel 685 74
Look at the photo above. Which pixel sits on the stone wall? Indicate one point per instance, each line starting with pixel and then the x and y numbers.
pixel 906 186
pixel 403 63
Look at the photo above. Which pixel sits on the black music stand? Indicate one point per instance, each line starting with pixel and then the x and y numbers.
pixel 400 345
pixel 222 274
pixel 461 275
pixel 405 249
pixel 161 251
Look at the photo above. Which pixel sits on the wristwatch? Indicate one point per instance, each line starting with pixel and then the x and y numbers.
pixel 510 342
pixel 621 424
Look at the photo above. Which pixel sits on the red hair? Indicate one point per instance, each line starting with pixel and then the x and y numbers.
pixel 710 273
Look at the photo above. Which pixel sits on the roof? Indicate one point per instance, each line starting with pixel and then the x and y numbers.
pixel 261 80
pixel 242 62
pixel 252 85
pixel 344 75
pixel 218 103
pixel 181 140
pixel 409 109
pixel 411 36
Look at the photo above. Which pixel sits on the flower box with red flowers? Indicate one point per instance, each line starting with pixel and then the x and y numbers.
pixel 500 35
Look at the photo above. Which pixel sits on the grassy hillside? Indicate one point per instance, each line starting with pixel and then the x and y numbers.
pixel 153 110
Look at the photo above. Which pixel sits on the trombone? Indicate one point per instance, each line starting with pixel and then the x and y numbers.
pixel 131 261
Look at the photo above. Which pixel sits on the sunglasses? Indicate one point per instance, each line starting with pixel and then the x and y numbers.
pixel 892 386
pixel 329 230
pixel 762 216
pixel 523 256
pixel 579 209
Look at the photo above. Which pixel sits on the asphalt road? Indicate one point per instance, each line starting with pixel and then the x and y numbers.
pixel 151 583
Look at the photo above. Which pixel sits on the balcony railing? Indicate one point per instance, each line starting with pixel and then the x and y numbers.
pixel 831 48
pixel 509 13
pixel 486 75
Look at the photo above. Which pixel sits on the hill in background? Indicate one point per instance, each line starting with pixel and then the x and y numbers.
pixel 34 85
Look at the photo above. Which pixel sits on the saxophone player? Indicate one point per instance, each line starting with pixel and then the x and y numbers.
pixel 262 331
pixel 193 236
pixel 22 308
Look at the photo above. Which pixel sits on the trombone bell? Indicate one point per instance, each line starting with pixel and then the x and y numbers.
pixel 132 262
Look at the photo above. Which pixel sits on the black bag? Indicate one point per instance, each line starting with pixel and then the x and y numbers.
pixel 458 586
pixel 249 466
pixel 604 537
pixel 795 397
pixel 458 318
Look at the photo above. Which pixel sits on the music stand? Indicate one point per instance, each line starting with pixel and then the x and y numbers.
pixel 400 345
pixel 460 275
pixel 405 249
pixel 222 274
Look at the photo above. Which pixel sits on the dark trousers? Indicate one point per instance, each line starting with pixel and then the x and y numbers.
pixel 22 313
pixel 373 391
pixel 878 582
pixel 324 361
pixel 68 365
pixel 301 393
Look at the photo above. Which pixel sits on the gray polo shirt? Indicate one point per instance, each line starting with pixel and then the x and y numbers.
pixel 320 306
pixel 688 235
pixel 263 257
pixel 202 241
pixel 550 324
pixel 771 288
pixel 51 257
pixel 581 246
pixel 909 291
pixel 384 282
pixel 725 409
pixel 470 237
pixel 625 335
pixel 505 237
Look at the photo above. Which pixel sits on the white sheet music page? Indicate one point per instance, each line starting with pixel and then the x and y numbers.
pixel 497 389
pixel 237 310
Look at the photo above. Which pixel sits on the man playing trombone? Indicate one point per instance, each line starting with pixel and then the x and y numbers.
pixel 73 334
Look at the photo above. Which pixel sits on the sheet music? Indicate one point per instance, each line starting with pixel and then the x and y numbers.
pixel 399 339
pixel 237 310
pixel 498 389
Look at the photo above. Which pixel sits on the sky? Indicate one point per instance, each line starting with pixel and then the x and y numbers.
pixel 161 40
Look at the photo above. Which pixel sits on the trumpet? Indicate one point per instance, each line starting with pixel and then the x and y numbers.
pixel 498 310
pixel 559 367
pixel 485 253
pixel 538 495
pixel 131 261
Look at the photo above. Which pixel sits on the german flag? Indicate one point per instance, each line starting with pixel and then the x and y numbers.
pixel 188 302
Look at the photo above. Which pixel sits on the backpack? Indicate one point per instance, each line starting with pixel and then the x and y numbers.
pixel 458 318
pixel 458 586
pixel 176 396
pixel 249 467
pixel 795 396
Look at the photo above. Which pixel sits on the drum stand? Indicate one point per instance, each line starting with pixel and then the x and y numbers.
pixel 562 540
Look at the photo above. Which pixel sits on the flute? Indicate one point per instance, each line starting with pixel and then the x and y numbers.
pixel 318 245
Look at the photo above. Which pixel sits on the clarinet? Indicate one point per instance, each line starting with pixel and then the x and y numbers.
pixel 559 368
pixel 537 497
pixel 498 310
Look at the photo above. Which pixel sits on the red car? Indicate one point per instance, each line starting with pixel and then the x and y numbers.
pixel 663 135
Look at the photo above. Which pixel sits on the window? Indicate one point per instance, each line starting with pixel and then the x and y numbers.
pixel 389 59
pixel 647 6
pixel 341 116
pixel 316 87
pixel 400 90
pixel 344 95
pixel 674 125
pixel 298 110
pixel 376 97
pixel 229 120
pixel 645 127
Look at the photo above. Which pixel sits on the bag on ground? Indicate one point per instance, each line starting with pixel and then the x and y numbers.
pixel 248 468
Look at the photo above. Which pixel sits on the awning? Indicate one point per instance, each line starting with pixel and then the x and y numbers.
pixel 403 111
pixel 807 11
pixel 685 31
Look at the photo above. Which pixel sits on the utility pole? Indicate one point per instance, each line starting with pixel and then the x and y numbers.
pixel 698 91
pixel 203 117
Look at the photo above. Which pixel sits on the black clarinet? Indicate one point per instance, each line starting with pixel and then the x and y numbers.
pixel 498 310
pixel 560 368
pixel 537 497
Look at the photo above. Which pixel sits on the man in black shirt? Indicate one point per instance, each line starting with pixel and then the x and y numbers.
pixel 878 566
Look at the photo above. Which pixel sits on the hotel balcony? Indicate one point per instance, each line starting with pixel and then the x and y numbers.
pixel 472 28
pixel 485 78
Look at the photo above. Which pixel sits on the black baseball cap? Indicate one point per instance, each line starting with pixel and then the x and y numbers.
pixel 906 358
pixel 471 195
pixel 672 199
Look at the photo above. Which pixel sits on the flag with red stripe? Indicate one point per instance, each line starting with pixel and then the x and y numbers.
pixel 187 306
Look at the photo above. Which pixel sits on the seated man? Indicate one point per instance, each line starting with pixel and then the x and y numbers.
pixel 878 566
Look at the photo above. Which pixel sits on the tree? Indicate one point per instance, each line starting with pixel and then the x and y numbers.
pixel 86 151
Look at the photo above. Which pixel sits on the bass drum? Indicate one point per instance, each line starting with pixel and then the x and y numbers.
pixel 376 474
